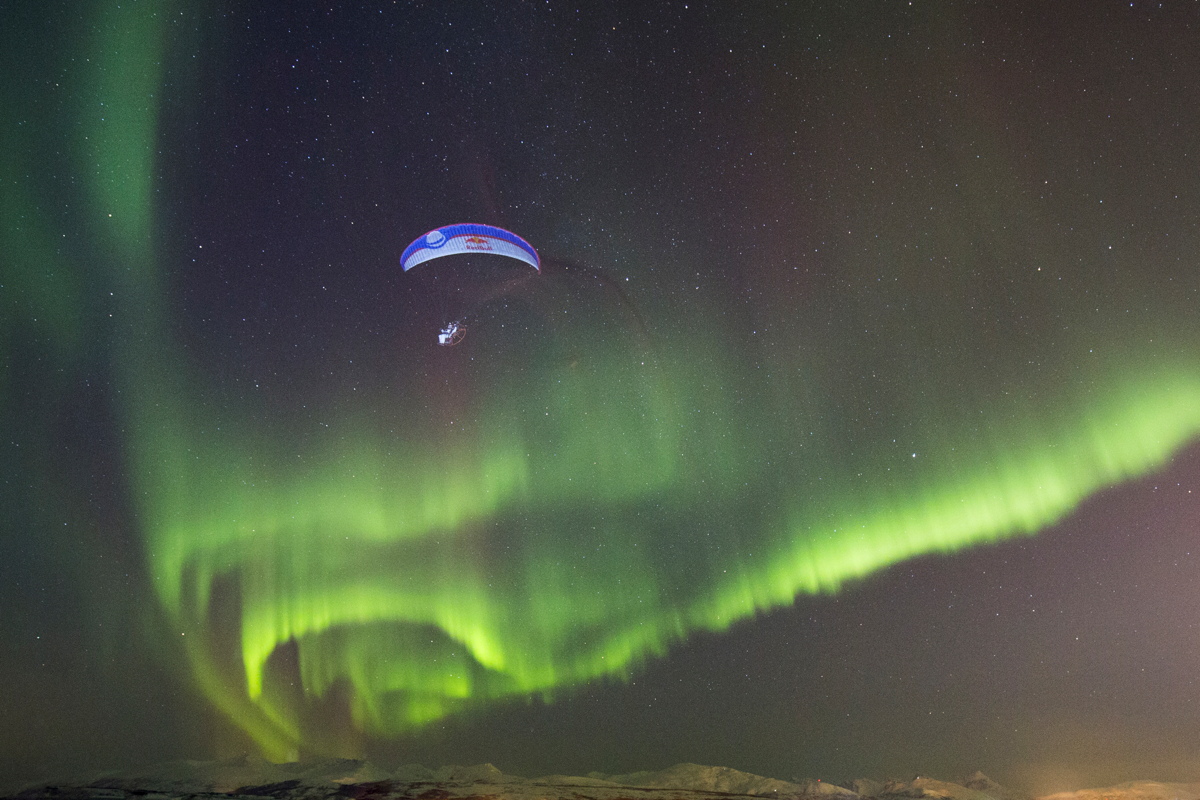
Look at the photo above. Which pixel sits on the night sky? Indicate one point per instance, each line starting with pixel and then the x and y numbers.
pixel 851 428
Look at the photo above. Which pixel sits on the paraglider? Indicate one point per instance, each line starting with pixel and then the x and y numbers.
pixel 469 239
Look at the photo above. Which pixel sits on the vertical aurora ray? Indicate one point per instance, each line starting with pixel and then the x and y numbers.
pixel 597 498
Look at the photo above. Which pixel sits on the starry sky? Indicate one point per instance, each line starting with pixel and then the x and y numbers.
pixel 851 428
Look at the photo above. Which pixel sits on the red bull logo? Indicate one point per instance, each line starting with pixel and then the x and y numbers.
pixel 477 243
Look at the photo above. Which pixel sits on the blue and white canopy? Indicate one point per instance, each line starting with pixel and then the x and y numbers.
pixel 468 238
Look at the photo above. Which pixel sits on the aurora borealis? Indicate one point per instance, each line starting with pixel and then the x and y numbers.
pixel 848 324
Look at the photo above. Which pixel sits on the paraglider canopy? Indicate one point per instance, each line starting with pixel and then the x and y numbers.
pixel 466 239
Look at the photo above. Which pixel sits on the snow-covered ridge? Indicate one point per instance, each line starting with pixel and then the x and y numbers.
pixel 248 778
pixel 1134 790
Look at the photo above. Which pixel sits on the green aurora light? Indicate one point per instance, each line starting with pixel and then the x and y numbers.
pixel 576 520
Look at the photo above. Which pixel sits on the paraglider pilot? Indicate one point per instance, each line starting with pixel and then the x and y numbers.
pixel 452 334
